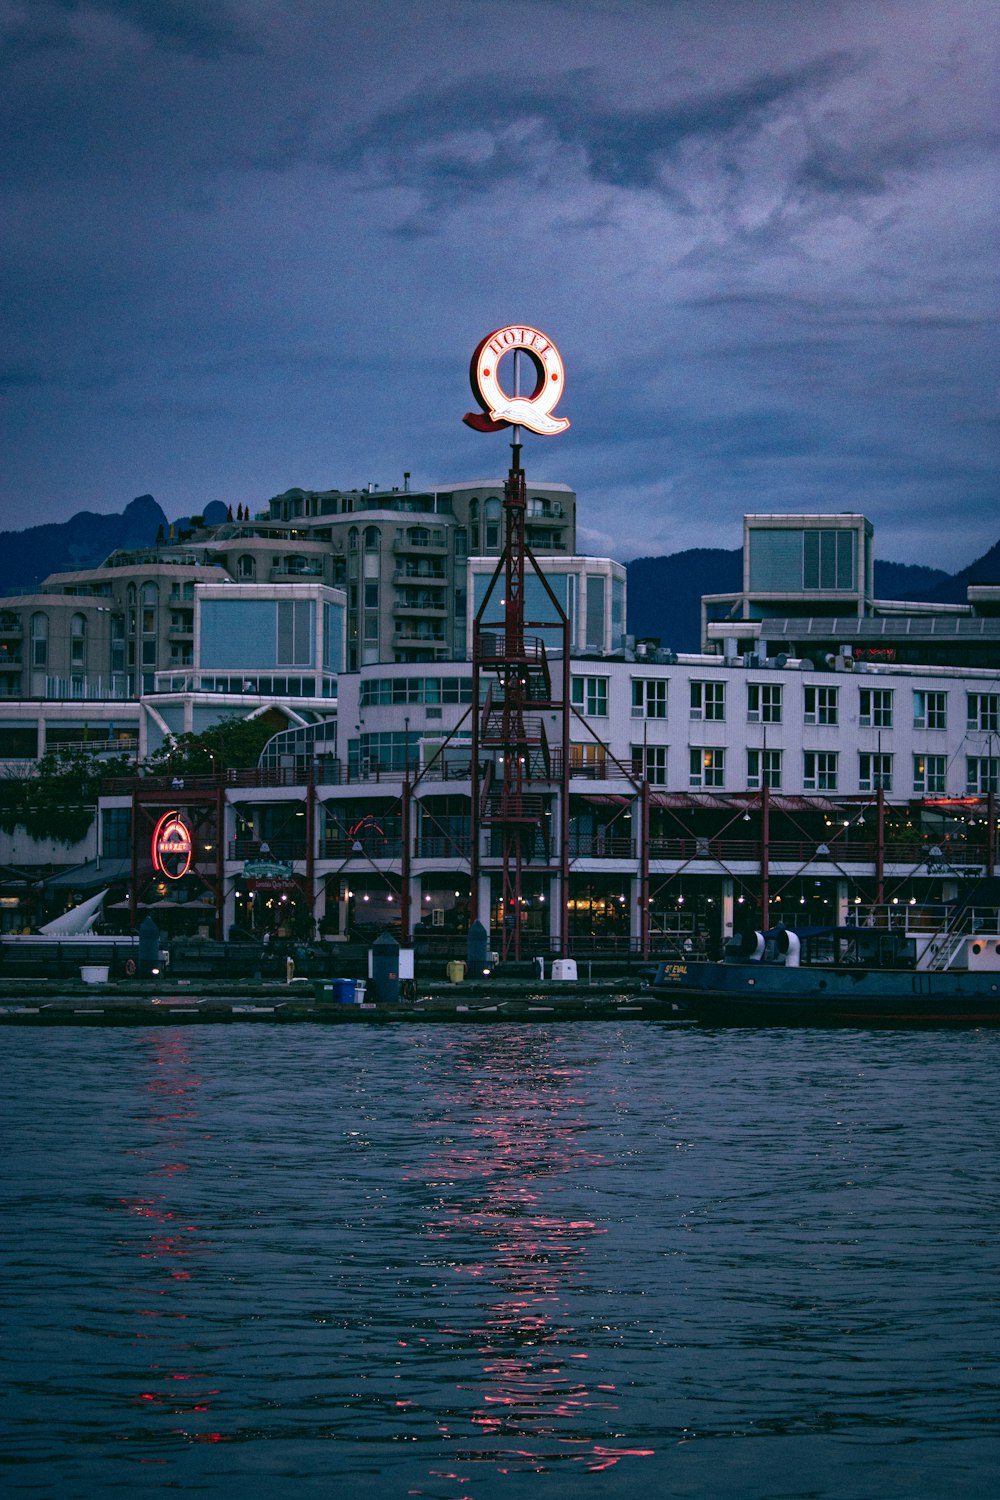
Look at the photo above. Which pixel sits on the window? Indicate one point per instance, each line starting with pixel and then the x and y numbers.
pixel 764 702
pixel 819 771
pixel 930 773
pixel 876 708
pixel 650 762
pixel 590 696
pixel 78 640
pixel 763 769
pixel 294 646
pixel 372 538
pixel 491 513
pixel 930 710
pixel 39 640
pixel 874 772
pixel 708 767
pixel 708 700
pixel 828 559
pixel 474 526
pixel 116 832
pixel 821 705
pixel 984 711
pixel 981 775
pixel 649 698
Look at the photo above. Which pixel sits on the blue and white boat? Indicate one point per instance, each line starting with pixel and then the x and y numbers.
pixel 897 966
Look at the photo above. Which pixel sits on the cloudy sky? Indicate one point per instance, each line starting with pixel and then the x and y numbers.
pixel 249 244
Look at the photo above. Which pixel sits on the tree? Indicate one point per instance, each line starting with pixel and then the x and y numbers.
pixel 56 797
pixel 232 744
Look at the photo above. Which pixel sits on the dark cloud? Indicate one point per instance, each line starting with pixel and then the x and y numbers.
pixel 251 245
pixel 200 28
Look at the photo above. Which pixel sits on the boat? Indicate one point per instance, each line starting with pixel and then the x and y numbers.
pixel 896 966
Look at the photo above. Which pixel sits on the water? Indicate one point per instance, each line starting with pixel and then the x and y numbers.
pixel 477 1261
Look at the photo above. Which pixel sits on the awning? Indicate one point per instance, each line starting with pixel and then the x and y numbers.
pixel 91 876
pixel 603 799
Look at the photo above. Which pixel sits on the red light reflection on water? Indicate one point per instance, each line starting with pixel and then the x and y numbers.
pixel 171 1244
pixel 516 1125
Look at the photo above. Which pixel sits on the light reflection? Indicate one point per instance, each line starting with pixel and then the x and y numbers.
pixel 513 1128
pixel 170 1244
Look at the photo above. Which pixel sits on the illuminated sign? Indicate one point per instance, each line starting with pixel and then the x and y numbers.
pixel 501 410
pixel 172 846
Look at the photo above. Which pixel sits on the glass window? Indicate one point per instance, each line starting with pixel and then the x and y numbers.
pixel 819 771
pixel 763 769
pixel 39 640
pixel 874 772
pixel 708 767
pixel 876 708
pixel 981 775
pixel 930 773
pixel 590 696
pixel 821 705
pixel 828 559
pixel 764 702
pixel 708 700
pixel 984 712
pixel 78 640
pixel 650 762
pixel 649 697
pixel 930 710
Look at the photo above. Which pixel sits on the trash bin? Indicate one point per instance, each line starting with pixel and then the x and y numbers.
pixel 359 992
pixel 456 970
pixel 343 991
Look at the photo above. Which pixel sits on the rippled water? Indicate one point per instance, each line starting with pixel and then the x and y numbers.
pixel 464 1261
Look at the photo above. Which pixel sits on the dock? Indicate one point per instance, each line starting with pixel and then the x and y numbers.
pixel 137 1003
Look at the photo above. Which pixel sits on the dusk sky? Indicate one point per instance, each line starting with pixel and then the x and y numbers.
pixel 250 244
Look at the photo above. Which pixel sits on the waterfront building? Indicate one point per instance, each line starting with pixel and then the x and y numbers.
pixel 703 793
pixel 808 593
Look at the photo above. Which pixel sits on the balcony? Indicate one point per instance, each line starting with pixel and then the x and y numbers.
pixel 277 848
pixel 181 632
pixel 426 580
pixel 432 545
pixel 429 606
pixel 401 637
pixel 282 574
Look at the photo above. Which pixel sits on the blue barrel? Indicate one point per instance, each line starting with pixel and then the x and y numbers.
pixel 343 991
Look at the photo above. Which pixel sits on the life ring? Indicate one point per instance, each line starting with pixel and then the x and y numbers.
pixel 129 967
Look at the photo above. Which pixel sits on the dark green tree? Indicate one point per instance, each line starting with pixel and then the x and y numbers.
pixel 232 744
pixel 56 797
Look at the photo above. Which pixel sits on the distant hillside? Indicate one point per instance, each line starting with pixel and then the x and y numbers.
pixel 908 581
pixel 84 541
pixel 664 593
pixel 985 569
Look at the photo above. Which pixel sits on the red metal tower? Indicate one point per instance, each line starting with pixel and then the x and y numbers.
pixel 520 779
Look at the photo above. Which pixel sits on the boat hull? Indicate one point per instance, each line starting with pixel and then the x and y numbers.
pixel 750 994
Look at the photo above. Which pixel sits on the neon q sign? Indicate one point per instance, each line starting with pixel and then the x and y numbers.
pixel 501 410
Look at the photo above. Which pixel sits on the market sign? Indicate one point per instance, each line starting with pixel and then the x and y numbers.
pixel 173 846
pixel 501 410
pixel 268 869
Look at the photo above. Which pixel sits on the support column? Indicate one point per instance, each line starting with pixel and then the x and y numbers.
pixel 728 908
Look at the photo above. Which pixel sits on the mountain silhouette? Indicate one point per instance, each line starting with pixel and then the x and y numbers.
pixel 84 541
pixel 664 593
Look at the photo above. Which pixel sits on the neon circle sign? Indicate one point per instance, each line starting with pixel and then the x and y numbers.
pixel 173 846
pixel 501 410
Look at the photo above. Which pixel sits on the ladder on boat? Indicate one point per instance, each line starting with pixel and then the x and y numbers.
pixel 945 948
